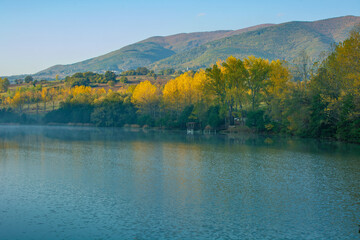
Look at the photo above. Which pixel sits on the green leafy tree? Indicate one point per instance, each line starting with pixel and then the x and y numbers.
pixel 110 76
pixel 142 71
pixel 258 74
pixel 111 83
pixel 124 79
pixel 4 84
pixel 18 81
pixel 303 67
pixel 228 84
pixel 29 79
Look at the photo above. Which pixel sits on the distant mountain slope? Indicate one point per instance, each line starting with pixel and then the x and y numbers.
pixel 185 41
pixel 248 29
pixel 142 53
pixel 283 41
pixel 132 56
pixel 136 55
pixel 201 49
pixel 336 28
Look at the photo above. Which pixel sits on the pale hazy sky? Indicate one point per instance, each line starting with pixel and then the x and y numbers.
pixel 36 34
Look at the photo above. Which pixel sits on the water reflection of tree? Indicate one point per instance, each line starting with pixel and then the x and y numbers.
pixel 85 134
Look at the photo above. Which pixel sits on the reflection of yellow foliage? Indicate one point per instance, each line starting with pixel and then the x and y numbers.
pixel 269 126
pixel 268 141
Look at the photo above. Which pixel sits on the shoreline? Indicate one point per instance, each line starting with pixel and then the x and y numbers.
pixel 231 135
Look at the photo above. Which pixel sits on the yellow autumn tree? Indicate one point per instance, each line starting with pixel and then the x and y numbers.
pixel 45 96
pixel 227 83
pixel 53 92
pixel 171 95
pixel 18 100
pixel 81 95
pixel 35 97
pixel 258 70
pixel 198 85
pixel 146 97
pixel 183 91
pixel 277 87
pixel 28 99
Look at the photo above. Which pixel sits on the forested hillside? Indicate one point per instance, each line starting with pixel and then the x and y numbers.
pixel 198 50
pixel 283 41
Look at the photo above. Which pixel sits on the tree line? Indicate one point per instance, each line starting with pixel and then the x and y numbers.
pixel 320 99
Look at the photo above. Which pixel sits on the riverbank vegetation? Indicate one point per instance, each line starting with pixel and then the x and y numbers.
pixel 309 99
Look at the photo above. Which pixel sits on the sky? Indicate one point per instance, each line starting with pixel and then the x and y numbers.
pixel 38 34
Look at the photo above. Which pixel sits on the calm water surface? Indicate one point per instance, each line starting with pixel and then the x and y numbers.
pixel 87 183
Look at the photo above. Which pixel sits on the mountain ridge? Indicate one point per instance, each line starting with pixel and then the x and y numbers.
pixel 164 46
pixel 282 41
pixel 200 49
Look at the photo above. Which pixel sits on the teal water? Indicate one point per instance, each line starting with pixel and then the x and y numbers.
pixel 89 183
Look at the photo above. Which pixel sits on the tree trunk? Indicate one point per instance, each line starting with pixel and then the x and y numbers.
pixel 253 101
pixel 231 117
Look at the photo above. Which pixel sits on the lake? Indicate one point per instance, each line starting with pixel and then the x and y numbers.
pixel 95 183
